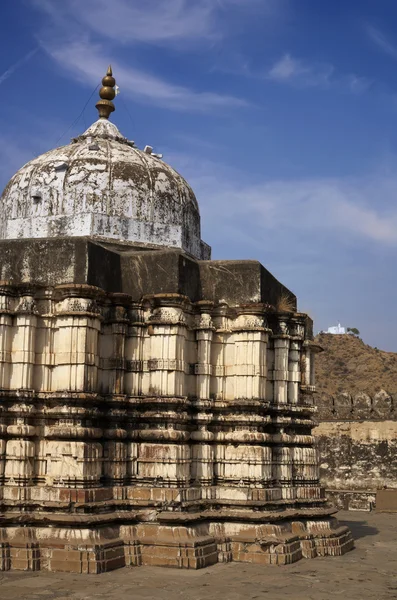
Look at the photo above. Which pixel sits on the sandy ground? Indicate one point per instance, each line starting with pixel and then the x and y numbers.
pixel 368 572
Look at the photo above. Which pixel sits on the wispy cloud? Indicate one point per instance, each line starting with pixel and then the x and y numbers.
pixel 149 21
pixel 382 41
pixel 84 61
pixel 293 71
pixel 16 65
pixel 156 21
pixel 343 210
pixel 287 68
pixel 74 37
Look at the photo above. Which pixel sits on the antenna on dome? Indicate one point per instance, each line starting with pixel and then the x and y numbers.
pixel 107 93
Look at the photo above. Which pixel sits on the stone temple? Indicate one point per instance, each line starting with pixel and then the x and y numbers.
pixel 156 406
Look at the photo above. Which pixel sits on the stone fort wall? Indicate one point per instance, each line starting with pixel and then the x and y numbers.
pixel 357 442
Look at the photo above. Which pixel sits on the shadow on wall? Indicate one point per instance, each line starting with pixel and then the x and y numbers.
pixel 359 529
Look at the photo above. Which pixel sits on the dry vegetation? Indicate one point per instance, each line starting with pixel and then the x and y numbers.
pixel 286 303
pixel 347 364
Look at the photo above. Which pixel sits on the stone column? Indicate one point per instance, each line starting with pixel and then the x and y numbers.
pixel 115 453
pixel 250 345
pixel 203 451
pixel 44 353
pixel 162 419
pixel 305 468
pixel 20 454
pixel 203 456
pixel 134 350
pixel 166 362
pixel 6 317
pixel 297 332
pixel 2 452
pixel 76 338
pixel 204 334
pixel 23 343
pixel 294 372
pixel 282 470
pixel 112 345
pixel 220 340
pixel 280 374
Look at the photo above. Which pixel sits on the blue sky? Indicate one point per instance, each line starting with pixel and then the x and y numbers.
pixel 282 115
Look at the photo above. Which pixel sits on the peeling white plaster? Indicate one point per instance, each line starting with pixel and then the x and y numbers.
pixel 107 188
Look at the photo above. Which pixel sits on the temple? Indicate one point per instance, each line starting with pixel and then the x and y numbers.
pixel 156 406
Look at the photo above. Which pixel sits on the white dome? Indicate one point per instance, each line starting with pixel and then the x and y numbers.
pixel 101 185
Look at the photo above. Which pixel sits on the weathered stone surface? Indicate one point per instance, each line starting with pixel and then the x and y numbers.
pixel 166 272
pixel 357 441
pixel 362 406
pixel 129 269
pixel 382 404
pixel 102 185
pixel 343 405
pixel 241 281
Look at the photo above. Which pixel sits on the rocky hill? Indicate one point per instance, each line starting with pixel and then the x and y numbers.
pixel 347 364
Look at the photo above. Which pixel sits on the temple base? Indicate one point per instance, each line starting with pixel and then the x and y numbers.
pixel 195 545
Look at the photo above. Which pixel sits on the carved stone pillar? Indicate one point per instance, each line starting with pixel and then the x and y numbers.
pixel 2 456
pixel 20 454
pixel 112 345
pixel 250 345
pixel 166 357
pixel 282 470
pixel 204 332
pixel 134 351
pixel 76 338
pixel 203 456
pixel 6 322
pixel 115 459
pixel 44 353
pixel 23 343
pixel 280 373
pixel 294 372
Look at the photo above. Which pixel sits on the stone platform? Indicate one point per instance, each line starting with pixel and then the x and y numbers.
pixel 367 573
pixel 82 534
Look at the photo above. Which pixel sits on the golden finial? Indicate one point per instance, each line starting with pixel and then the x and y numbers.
pixel 107 93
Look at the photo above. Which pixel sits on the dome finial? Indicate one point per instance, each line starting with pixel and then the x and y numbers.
pixel 107 93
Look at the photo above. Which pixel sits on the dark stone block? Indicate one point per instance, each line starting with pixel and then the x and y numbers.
pixel 240 282
pixel 160 272
pixel 104 269
pixel 44 261
pixel 129 268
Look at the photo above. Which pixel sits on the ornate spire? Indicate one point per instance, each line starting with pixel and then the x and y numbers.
pixel 107 93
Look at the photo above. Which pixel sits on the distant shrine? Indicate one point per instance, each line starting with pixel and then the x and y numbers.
pixel 156 406
pixel 337 329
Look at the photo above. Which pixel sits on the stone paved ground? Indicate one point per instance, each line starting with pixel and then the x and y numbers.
pixel 368 572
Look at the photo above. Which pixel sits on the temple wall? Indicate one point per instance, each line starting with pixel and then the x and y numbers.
pixel 99 390
pixel 357 442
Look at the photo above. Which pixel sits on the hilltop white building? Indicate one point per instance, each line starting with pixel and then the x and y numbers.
pixel 337 329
